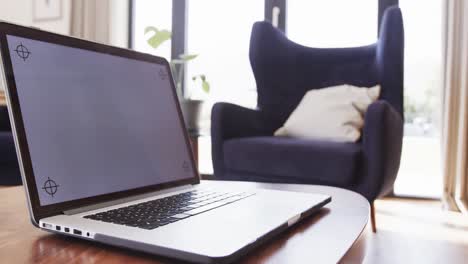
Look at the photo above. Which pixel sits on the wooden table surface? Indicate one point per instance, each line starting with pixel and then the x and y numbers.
pixel 336 234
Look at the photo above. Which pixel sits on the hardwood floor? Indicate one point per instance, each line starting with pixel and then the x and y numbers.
pixel 417 231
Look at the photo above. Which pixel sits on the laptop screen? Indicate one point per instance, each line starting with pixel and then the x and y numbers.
pixel 96 123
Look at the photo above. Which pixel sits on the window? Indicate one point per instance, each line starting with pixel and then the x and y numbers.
pixel 221 40
pixel 155 13
pixel 420 162
pixel 332 23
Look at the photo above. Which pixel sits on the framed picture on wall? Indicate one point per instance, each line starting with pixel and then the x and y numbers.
pixel 46 10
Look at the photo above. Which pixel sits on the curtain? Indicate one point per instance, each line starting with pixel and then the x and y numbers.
pixel 90 20
pixel 454 106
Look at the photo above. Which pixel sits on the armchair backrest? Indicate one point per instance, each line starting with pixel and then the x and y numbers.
pixel 284 70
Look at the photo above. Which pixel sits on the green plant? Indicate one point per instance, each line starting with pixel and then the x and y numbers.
pixel 205 84
pixel 177 65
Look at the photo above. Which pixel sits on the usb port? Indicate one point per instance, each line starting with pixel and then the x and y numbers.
pixel 57 228
pixel 67 229
pixel 77 232
pixel 46 225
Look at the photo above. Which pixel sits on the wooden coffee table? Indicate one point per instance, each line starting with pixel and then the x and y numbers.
pixel 336 234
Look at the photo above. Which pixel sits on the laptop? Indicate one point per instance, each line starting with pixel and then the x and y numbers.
pixel 104 154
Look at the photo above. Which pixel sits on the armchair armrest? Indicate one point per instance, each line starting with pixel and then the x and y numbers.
pixel 382 144
pixel 233 121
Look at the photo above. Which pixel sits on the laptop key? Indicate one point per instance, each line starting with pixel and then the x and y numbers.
pixel 155 213
pixel 180 216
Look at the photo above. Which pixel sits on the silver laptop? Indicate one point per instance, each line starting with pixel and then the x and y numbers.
pixel 104 154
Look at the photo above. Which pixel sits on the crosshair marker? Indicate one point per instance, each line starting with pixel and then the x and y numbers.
pixel 22 51
pixel 50 187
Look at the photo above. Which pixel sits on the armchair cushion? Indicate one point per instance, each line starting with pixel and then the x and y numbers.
pixel 335 114
pixel 233 121
pixel 311 161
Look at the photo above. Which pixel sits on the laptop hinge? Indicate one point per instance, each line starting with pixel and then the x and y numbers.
pixel 125 200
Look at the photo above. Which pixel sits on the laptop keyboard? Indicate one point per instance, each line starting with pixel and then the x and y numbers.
pixel 160 212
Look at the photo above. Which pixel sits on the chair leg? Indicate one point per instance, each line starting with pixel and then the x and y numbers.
pixel 372 212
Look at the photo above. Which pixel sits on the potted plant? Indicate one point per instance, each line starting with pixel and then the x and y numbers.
pixel 191 108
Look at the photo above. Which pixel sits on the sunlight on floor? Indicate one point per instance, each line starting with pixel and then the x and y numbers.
pixel 417 231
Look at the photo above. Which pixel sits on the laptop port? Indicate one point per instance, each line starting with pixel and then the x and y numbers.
pixel 67 229
pixel 77 232
pixel 58 228
pixel 45 225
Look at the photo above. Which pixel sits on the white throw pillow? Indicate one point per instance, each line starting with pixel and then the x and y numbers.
pixel 334 113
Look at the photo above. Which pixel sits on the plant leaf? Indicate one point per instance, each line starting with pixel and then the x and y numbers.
pixel 159 36
pixel 187 57
pixel 206 86
pixel 150 29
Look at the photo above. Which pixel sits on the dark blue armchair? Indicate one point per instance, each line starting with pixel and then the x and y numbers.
pixel 243 146
pixel 9 170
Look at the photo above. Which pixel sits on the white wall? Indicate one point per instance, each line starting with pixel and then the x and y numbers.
pixel 21 12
